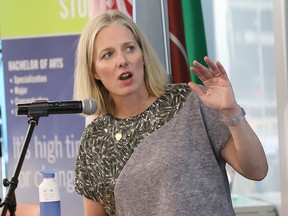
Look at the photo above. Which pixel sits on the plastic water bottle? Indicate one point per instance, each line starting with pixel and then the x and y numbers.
pixel 49 195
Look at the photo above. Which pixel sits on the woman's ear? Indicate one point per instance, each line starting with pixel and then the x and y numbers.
pixel 95 75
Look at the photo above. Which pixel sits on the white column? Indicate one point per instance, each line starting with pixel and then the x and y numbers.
pixel 151 16
pixel 280 28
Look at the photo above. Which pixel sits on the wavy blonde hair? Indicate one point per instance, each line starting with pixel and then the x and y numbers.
pixel 86 86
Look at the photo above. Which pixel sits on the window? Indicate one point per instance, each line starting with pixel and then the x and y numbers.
pixel 245 39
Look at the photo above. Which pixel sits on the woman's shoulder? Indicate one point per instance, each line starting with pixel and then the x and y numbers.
pixel 174 96
pixel 177 90
pixel 178 87
pixel 97 125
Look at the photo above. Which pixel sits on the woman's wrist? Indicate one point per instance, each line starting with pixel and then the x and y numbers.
pixel 236 119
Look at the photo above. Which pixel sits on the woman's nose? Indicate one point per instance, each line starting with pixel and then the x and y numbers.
pixel 122 61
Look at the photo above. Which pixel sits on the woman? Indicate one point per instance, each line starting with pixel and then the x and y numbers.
pixel 156 148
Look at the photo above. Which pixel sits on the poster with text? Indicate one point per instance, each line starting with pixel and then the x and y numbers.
pixel 39 39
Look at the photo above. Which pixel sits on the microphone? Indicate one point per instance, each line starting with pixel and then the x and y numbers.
pixel 44 108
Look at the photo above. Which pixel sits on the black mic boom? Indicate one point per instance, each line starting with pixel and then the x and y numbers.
pixel 44 108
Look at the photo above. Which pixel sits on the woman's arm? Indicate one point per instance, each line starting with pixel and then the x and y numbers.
pixel 244 151
pixel 93 208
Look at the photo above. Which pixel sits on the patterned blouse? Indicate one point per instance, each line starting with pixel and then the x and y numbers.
pixel 108 142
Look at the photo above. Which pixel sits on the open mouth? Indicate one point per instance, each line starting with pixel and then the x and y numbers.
pixel 125 76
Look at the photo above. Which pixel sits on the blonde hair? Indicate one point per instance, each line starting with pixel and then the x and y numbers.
pixel 86 86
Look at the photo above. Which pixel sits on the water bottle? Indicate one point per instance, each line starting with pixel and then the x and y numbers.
pixel 49 195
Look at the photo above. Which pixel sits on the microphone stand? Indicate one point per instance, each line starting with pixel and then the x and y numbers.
pixel 10 200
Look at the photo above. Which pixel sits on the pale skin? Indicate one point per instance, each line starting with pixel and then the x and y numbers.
pixel 244 153
pixel 115 57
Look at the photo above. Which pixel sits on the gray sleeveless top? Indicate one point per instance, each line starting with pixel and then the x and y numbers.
pixel 167 161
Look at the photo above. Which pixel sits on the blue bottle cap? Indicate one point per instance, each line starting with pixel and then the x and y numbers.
pixel 50 173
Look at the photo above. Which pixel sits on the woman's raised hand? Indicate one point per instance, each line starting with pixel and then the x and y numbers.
pixel 217 93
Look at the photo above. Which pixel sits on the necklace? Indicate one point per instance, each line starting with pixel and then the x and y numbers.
pixel 137 111
pixel 118 135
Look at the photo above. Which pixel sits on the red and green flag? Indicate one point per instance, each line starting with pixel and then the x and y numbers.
pixel 194 33
pixel 178 55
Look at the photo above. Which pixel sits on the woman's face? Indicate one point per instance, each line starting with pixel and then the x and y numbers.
pixel 118 61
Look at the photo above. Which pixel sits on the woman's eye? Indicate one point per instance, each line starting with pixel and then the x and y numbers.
pixel 130 48
pixel 107 55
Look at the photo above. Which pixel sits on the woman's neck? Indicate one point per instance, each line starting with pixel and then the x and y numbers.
pixel 132 106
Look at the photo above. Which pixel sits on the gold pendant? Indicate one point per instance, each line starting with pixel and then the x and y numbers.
pixel 118 136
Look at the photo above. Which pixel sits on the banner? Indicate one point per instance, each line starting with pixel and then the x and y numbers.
pixel 33 18
pixel 39 39
pixel 125 6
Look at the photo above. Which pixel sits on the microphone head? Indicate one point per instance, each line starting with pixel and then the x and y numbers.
pixel 89 106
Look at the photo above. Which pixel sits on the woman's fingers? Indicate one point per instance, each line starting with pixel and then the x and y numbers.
pixel 221 69
pixel 199 90
pixel 205 73
pixel 212 66
pixel 201 71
